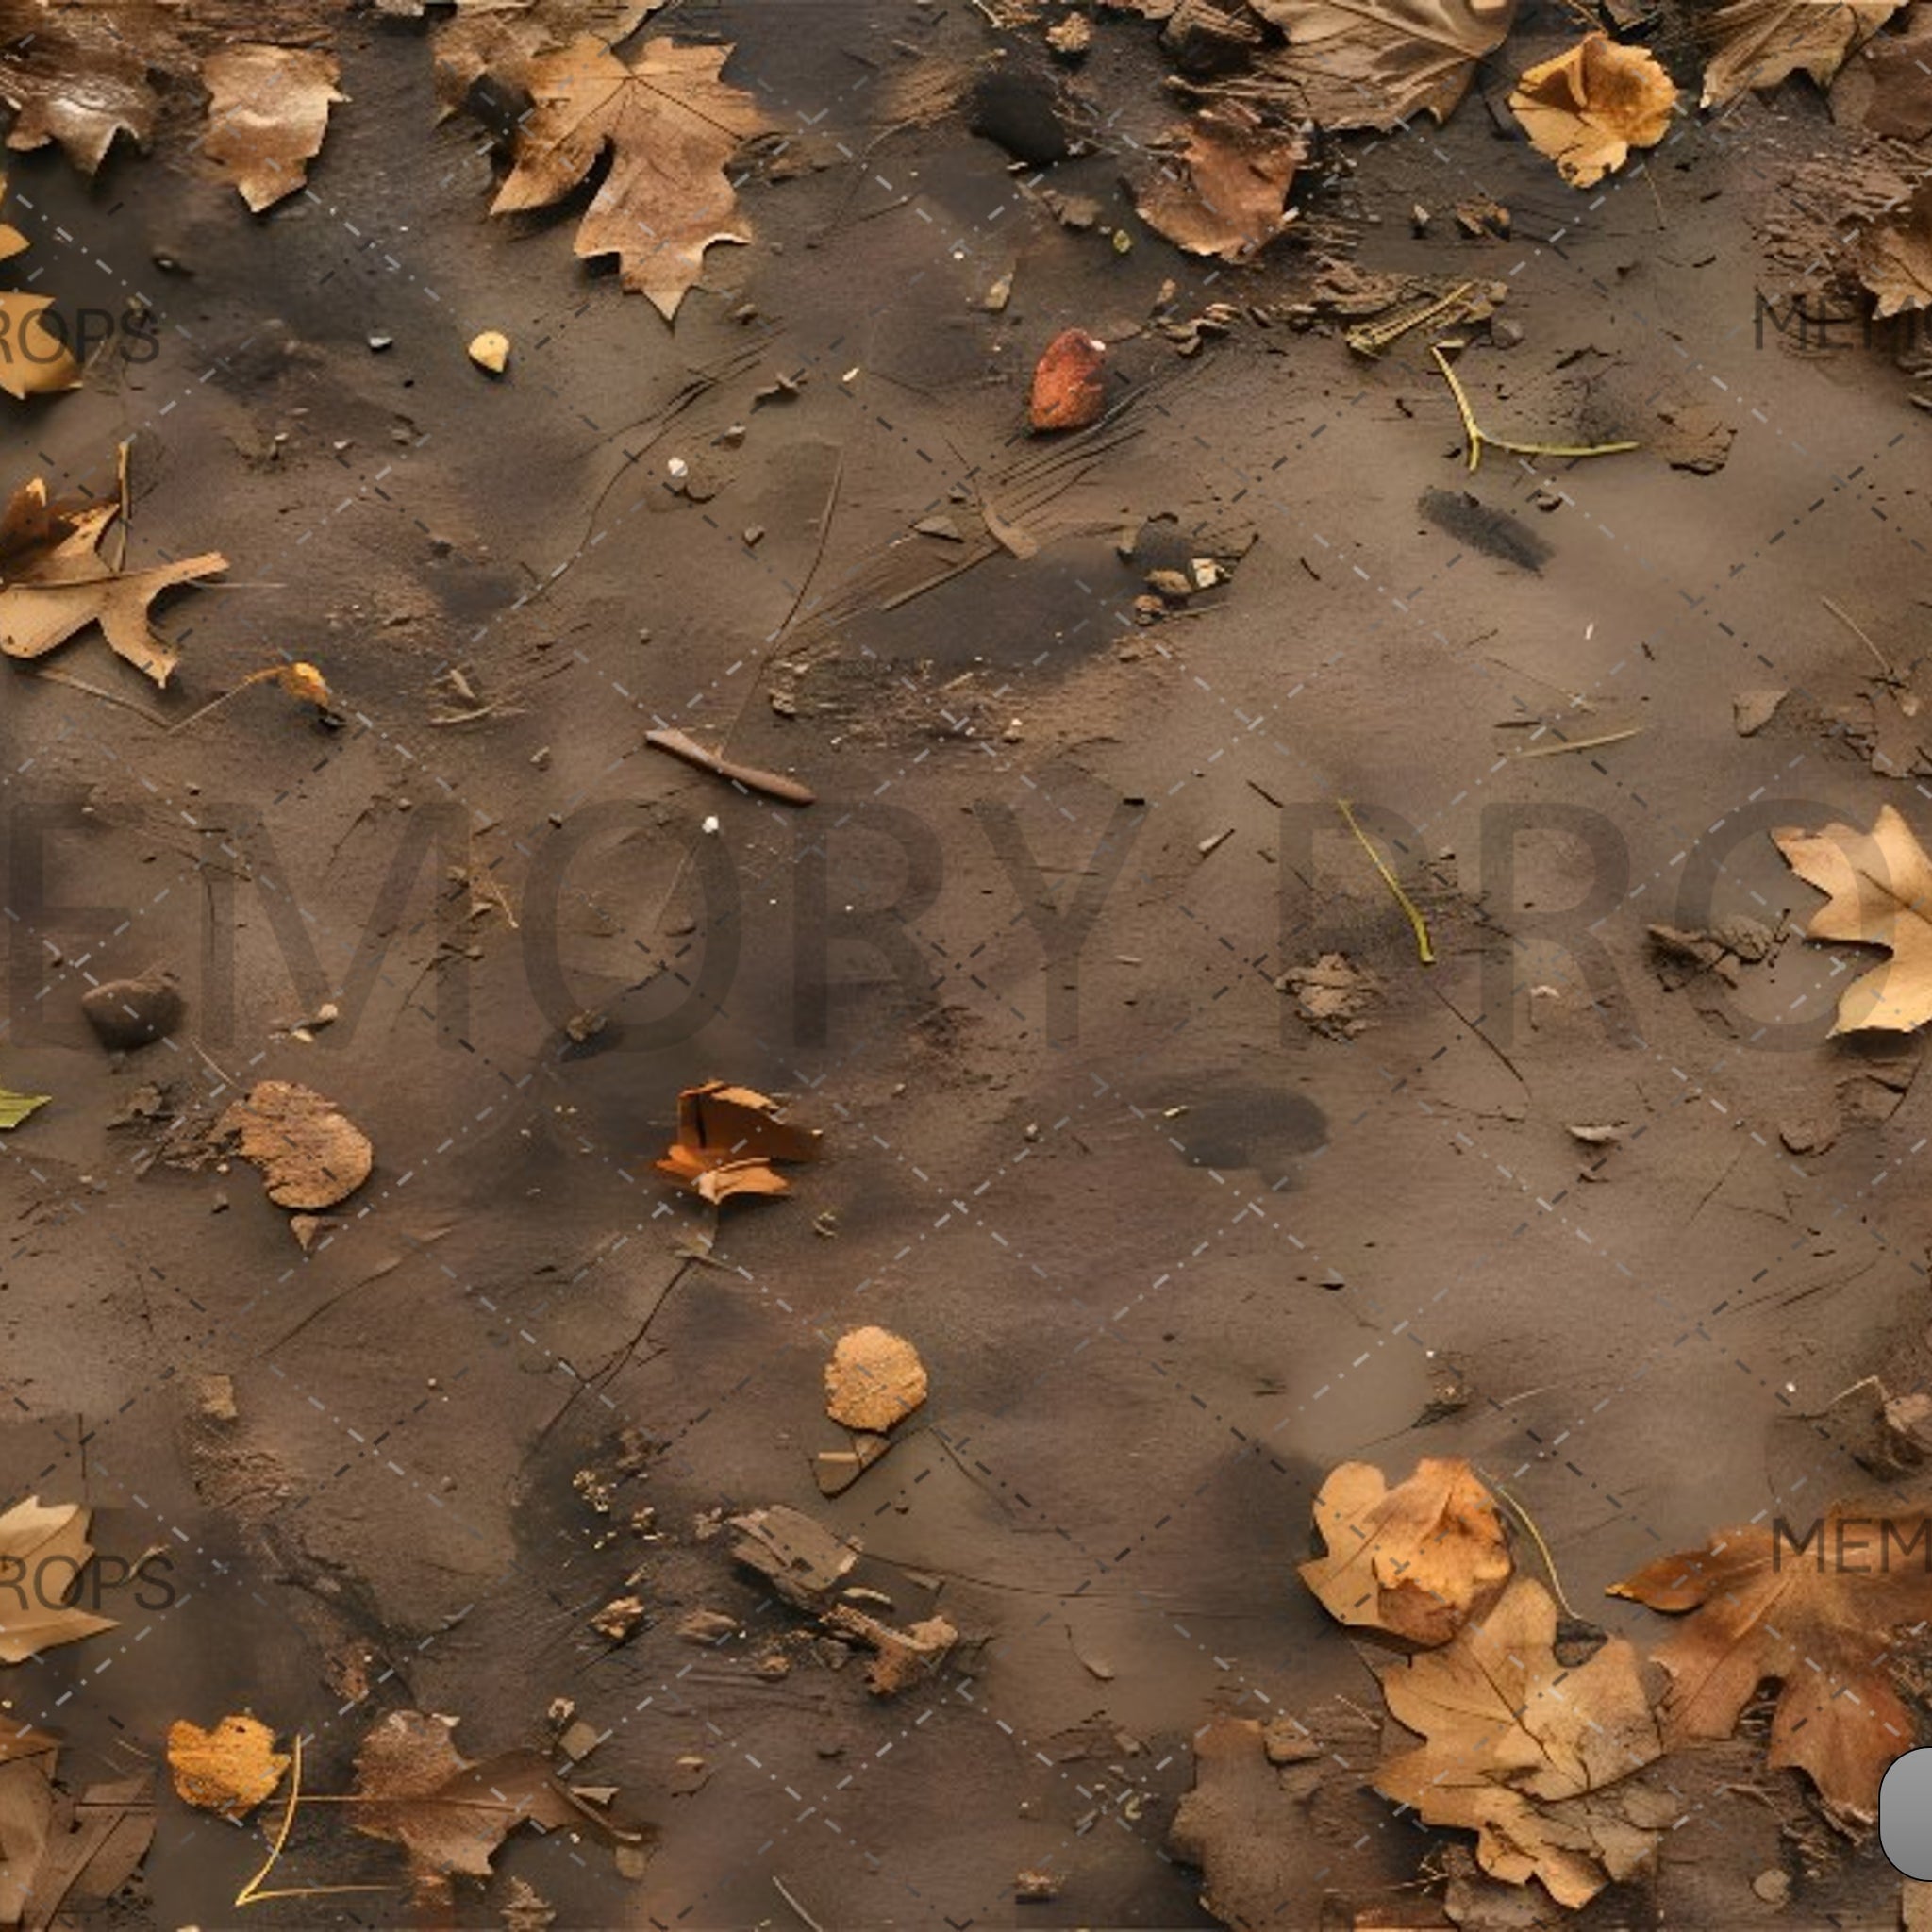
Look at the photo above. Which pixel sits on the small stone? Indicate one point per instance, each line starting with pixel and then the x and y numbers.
pixel 129 1013
pixel 1072 36
pixel 753 536
pixel 380 343
pixel 1752 711
pixel 579 1740
pixel 491 351
pixel 1285 1742
pixel 618 1619
pixel 1506 334
pixel 944 528
pixel 708 1627
pixel 1036 1888
pixel 215 1398
pixel 1774 1887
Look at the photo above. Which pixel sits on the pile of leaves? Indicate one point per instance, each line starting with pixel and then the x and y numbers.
pixel 1539 1734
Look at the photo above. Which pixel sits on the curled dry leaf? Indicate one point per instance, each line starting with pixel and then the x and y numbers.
pixel 231 1768
pixel 1376 63
pixel 1068 389
pixel 670 123
pixel 1591 105
pixel 1880 894
pixel 33 360
pixel 46 1541
pixel 874 1380
pixel 267 111
pixel 53 584
pixel 727 1137
pixel 1417 1561
pixel 1760 42
pixel 449 1814
pixel 1896 258
pixel 1234 177
pixel 1525 1751
pixel 309 1153
pixel 1816 1613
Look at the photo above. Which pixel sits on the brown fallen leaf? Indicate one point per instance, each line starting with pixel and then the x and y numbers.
pixel 498 40
pixel 1067 388
pixel 448 1813
pixel 53 584
pixel 1818 1617
pixel 62 1854
pixel 670 123
pixel 33 360
pixel 1895 257
pixel 1376 63
pixel 231 1768
pixel 268 112
pixel 1880 885
pixel 874 1380
pixel 1523 1750
pixel 78 74
pixel 1591 105
pixel 727 1137
pixel 1417 1561
pixel 309 1153
pixel 43 1548
pixel 1758 43
pixel 1885 87
pixel 1226 198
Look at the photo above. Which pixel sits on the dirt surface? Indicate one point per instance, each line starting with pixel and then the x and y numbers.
pixel 1167 1250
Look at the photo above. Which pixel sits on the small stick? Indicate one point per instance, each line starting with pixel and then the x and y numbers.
pixel 1551 750
pixel 774 786
pixel 121 451
pixel 1845 618
pixel 1478 438
pixel 784 1892
pixel 1388 879
pixel 93 691
pixel 1543 1549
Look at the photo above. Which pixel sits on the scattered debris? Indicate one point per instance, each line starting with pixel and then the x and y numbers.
pixel 1333 995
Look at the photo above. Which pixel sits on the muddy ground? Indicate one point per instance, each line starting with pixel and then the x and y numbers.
pixel 1167 1251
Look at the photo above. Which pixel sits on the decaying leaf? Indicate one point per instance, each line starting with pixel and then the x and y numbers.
pixel 267 111
pixel 15 1107
pixel 64 1854
pixel 670 123
pixel 1815 1610
pixel 1069 387
pixel 449 1814
pixel 1525 1751
pixel 1895 257
pixel 1591 105
pixel 727 1137
pixel 231 1768
pixel 33 360
pixel 1885 87
pixel 874 1380
pixel 498 39
pixel 78 74
pixel 1880 885
pixel 1226 198
pixel 310 1154
pixel 44 1548
pixel 1757 43
pixel 1417 1561
pixel 53 584
pixel 1376 63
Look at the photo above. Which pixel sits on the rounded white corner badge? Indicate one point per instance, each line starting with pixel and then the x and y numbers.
pixel 1905 1813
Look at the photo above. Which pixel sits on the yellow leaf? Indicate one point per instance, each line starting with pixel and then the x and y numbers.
pixel 231 1768
pixel 305 681
pixel 1591 105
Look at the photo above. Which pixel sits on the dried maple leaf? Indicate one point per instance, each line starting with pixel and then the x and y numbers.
pixel 1522 1750
pixel 1894 259
pixel 53 584
pixel 1417 1561
pixel 1376 63
pixel 43 1548
pixel 1228 201
pixel 1591 105
pixel 501 39
pixel 1880 887
pixel 1758 43
pixel 309 1153
pixel 77 73
pixel 449 1814
pixel 727 1137
pixel 671 124
pixel 1816 1615
pixel 231 1768
pixel 33 360
pixel 267 111
pixel 874 1380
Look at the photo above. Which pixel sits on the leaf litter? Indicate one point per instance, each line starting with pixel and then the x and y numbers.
pixel 727 1138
